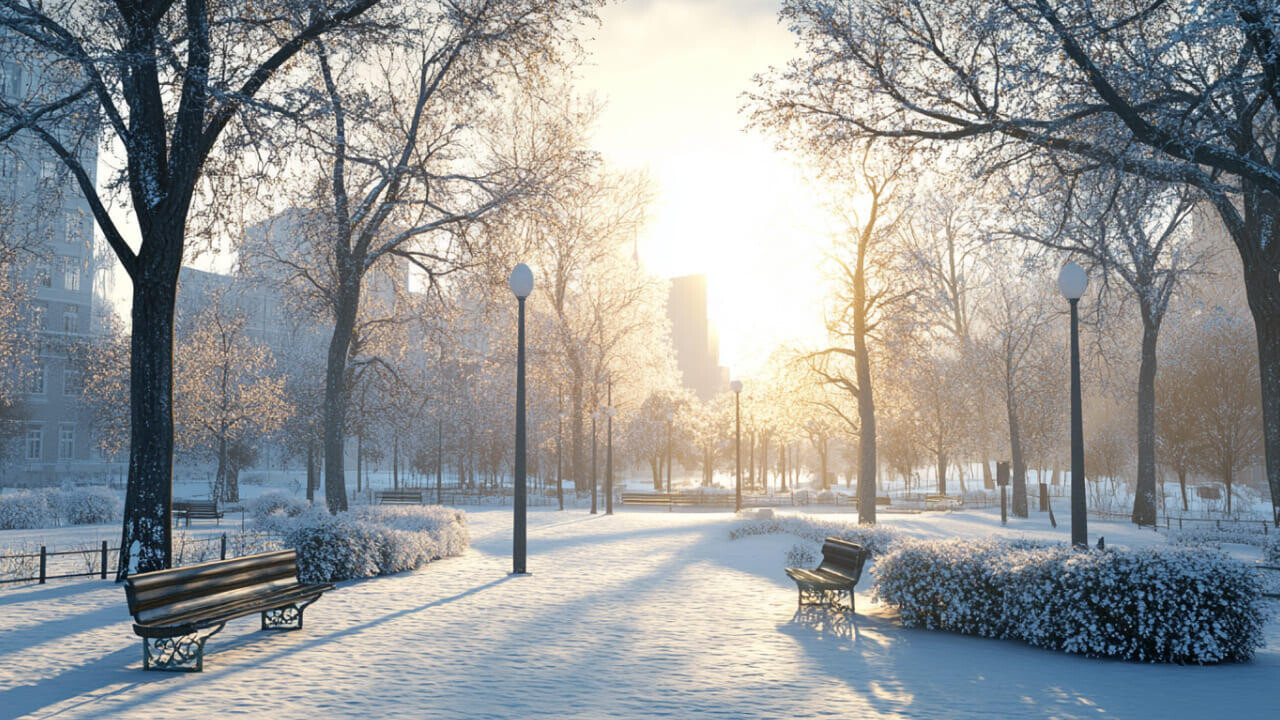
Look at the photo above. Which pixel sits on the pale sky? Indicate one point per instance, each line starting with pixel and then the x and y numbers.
pixel 671 73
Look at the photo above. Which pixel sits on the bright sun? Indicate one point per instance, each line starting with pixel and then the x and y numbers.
pixel 728 205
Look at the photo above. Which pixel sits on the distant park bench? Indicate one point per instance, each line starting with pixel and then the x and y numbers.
pixel 171 608
pixel 669 500
pixel 834 578
pixel 936 501
pixel 399 497
pixel 189 510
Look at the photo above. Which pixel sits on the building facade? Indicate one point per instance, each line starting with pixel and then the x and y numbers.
pixel 45 207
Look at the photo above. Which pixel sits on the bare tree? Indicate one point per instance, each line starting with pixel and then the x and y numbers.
pixel 164 79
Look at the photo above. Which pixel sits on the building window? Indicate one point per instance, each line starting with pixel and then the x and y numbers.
pixel 71 318
pixel 35 385
pixel 40 310
pixel 71 279
pixel 35 443
pixel 72 382
pixel 71 227
pixel 8 166
pixel 66 442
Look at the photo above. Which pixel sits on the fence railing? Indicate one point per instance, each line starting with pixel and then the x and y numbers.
pixel 97 559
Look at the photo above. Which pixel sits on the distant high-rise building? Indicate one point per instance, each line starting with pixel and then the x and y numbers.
pixel 696 340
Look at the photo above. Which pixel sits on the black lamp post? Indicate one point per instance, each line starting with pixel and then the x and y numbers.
pixel 1072 281
pixel 521 282
pixel 736 386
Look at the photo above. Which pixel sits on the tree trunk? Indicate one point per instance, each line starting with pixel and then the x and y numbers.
pixel 1019 480
pixel 311 472
pixel 764 464
pixel 220 477
pixel 577 441
pixel 655 467
pixel 1144 498
pixel 1264 301
pixel 988 482
pixel 942 473
pixel 335 388
pixel 146 541
pixel 1226 480
pixel 782 468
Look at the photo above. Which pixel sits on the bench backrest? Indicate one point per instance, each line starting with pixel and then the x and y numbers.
pixel 417 493
pixel 201 506
pixel 843 557
pixel 156 595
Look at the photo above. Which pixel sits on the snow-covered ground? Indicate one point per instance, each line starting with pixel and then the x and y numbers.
pixel 643 614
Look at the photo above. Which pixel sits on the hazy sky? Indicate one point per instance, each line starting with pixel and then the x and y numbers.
pixel 671 73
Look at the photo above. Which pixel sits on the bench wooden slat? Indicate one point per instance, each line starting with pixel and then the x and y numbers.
pixel 229 611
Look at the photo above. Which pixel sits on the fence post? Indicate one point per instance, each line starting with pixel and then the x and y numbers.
pixel 103 574
pixel 42 564
pixel 224 547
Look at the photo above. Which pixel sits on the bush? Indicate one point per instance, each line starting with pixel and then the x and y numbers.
pixel 25 510
pixel 89 506
pixel 46 508
pixel 1154 605
pixel 371 540
pixel 276 502
pixel 1271 551
pixel 874 538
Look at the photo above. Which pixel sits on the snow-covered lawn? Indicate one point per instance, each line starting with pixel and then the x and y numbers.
pixel 643 614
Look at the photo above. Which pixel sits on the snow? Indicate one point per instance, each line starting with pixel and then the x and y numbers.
pixel 643 614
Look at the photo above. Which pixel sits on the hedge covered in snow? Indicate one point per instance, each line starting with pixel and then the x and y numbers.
pixel 1172 604
pixel 875 538
pixel 48 508
pixel 269 503
pixel 369 540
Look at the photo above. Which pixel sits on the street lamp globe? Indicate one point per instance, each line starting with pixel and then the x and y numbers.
pixel 1072 281
pixel 521 281
pixel 736 386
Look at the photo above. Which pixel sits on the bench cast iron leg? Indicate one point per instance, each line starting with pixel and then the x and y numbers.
pixel 183 653
pixel 288 617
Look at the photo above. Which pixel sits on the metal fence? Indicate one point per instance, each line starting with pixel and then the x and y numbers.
pixel 47 564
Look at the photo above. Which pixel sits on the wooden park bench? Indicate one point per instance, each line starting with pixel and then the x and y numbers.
pixel 663 499
pixel 840 570
pixel 399 497
pixel 189 510
pixel 942 501
pixel 172 608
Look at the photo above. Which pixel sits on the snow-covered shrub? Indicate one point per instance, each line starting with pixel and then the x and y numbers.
pixel 826 497
pixel 1214 537
pixel 1155 605
pixel 801 556
pixel 276 502
pixel 876 539
pixel 25 510
pixel 89 506
pixel 371 540
pixel 1271 550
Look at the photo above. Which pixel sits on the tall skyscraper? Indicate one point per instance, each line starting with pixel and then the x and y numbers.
pixel 695 338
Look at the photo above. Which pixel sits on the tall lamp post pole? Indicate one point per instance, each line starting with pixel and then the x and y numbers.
pixel 521 282
pixel 736 386
pixel 1072 282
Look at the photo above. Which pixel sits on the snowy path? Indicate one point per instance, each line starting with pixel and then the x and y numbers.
pixel 645 614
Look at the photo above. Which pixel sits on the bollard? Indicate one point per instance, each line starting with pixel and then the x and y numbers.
pixel 103 574
pixel 224 547
pixel 42 564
